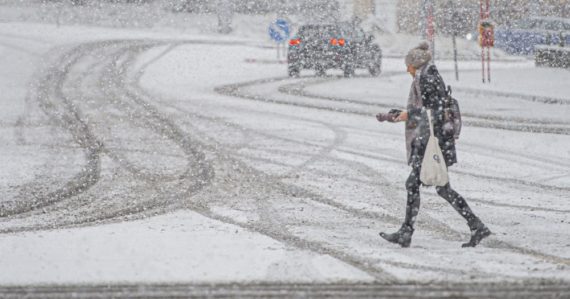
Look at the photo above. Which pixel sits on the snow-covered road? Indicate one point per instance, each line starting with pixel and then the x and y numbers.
pixel 133 157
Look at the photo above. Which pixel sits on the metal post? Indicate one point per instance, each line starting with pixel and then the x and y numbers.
pixel 454 21
pixel 484 15
pixel 489 64
pixel 423 19
pixel 483 64
pixel 225 15
pixel 455 57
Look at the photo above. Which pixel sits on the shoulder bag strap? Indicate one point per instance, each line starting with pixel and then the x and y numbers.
pixel 428 111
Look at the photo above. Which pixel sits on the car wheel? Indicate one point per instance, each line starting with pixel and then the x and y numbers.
pixel 321 72
pixel 348 71
pixel 375 69
pixel 294 71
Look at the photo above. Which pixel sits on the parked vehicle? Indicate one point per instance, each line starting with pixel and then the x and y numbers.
pixel 333 46
pixel 521 37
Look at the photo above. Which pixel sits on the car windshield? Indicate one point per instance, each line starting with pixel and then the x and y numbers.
pixel 325 31
pixel 350 31
pixel 318 32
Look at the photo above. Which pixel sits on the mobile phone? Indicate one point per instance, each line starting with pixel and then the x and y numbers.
pixel 395 112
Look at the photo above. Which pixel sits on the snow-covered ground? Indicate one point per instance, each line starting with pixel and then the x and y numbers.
pixel 178 247
pixel 154 154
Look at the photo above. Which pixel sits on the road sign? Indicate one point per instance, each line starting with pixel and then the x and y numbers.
pixel 279 30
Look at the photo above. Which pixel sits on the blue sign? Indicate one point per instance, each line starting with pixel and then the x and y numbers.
pixel 279 30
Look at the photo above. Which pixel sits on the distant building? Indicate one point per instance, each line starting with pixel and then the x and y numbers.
pixel 363 8
pixel 384 11
pixel 502 12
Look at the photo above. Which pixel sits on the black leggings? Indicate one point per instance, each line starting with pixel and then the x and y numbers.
pixel 413 205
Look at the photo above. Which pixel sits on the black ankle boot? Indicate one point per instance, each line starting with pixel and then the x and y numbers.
pixel 402 237
pixel 478 232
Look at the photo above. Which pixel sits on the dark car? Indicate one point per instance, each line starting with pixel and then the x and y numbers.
pixel 521 37
pixel 336 46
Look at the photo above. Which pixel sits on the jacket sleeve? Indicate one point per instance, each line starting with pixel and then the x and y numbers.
pixel 415 115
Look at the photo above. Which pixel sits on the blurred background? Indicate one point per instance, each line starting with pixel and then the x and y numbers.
pixel 520 25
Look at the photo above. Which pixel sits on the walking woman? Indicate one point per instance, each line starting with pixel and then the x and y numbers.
pixel 428 93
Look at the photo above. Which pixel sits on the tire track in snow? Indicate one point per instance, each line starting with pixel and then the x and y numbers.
pixel 124 93
pixel 198 173
pixel 234 90
pixel 387 189
pixel 394 160
pixel 269 228
pixel 316 246
pixel 296 241
pixel 359 264
pixel 497 244
pixel 111 74
pixel 470 119
pixel 162 123
pixel 492 243
pixel 525 97
pixel 65 114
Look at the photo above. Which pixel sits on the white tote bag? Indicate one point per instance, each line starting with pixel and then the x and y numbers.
pixel 434 170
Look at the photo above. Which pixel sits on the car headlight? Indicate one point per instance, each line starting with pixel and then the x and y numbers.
pixel 469 36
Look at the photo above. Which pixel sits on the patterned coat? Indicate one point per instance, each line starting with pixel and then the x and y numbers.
pixel 427 92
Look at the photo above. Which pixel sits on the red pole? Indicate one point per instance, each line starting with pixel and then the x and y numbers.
pixel 480 9
pixel 481 38
pixel 489 64
pixel 488 46
pixel 483 64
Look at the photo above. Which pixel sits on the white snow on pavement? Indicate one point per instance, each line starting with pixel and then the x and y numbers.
pixel 517 182
pixel 180 247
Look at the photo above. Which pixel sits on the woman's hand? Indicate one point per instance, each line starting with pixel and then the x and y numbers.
pixel 394 116
pixel 403 116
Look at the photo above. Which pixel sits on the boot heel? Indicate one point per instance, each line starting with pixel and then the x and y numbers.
pixel 402 237
pixel 477 236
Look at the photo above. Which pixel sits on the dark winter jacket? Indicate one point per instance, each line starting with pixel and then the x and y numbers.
pixel 433 96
